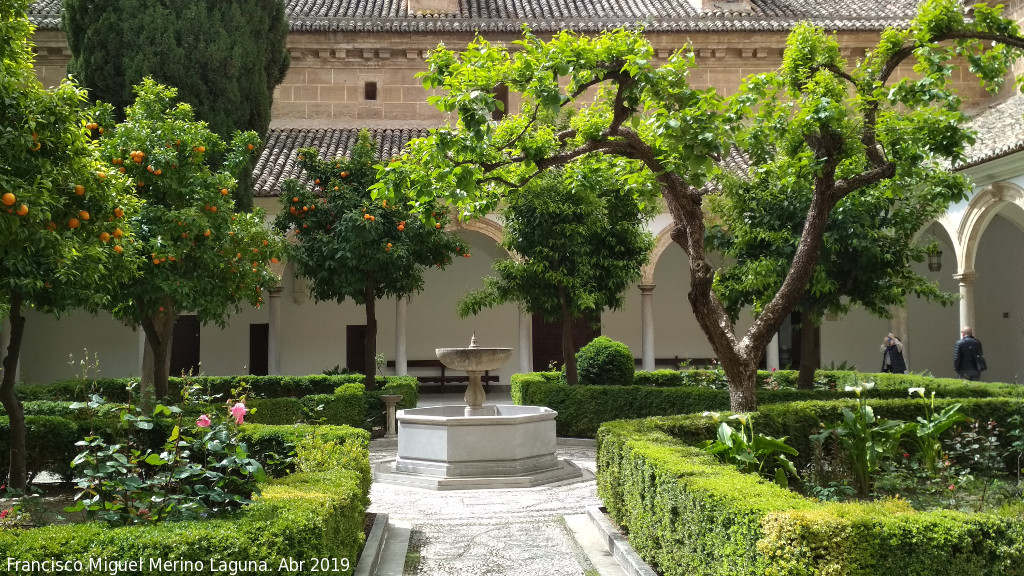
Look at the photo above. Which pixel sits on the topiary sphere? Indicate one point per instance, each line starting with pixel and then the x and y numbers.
pixel 605 362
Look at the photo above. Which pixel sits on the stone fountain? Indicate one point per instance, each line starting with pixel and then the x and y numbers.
pixel 476 446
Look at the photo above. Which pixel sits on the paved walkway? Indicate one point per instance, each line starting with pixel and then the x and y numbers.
pixel 518 532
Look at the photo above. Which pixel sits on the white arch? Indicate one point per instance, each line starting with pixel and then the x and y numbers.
pixel 980 211
pixel 662 240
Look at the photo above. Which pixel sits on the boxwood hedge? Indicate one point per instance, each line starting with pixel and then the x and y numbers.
pixel 688 514
pixel 301 516
pixel 582 409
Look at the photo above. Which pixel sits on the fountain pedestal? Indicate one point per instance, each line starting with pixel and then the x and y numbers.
pixel 476 446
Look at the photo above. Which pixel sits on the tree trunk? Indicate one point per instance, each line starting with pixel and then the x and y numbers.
pixel 568 345
pixel 808 353
pixel 18 473
pixel 370 343
pixel 159 330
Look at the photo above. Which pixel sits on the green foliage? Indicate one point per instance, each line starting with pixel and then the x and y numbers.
pixel 580 241
pixel 658 378
pixel 686 513
pixel 49 439
pixel 202 470
pixel 283 411
pixel 582 409
pixel 868 440
pixel 350 246
pixel 303 515
pixel 926 431
pixel 224 57
pixel 750 451
pixel 605 362
pixel 274 446
pixel 821 135
pixel 199 255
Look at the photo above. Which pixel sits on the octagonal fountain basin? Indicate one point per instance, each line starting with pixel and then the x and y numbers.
pixel 505 447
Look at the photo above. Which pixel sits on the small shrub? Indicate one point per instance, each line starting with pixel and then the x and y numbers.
pixel 605 362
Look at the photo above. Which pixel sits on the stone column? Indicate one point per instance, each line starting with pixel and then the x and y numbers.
pixel 966 280
pixel 525 341
pixel 771 353
pixel 142 350
pixel 401 355
pixel 274 332
pixel 647 326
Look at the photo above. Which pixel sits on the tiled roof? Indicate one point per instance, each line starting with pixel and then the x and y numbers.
pixel 278 160
pixel 1000 131
pixel 581 15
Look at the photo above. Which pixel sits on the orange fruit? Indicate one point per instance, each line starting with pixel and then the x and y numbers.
pixel 79 189
pixel 184 234
pixel 140 183
pixel 150 168
pixel 104 237
pixel 389 244
pixel 344 174
pixel 207 233
pixel 438 225
pixel 274 260
pixel 92 126
pixel 213 208
pixel 305 208
pixel 74 223
pixel 83 214
pixel 155 262
pixel 117 233
pixel 158 172
pixel 118 213
pixel 401 227
pixel 295 198
pixel 200 149
pixel 23 209
pixel 121 170
pixel 9 199
pixel 118 249
pixel 223 191
pixel 101 175
pixel 249 147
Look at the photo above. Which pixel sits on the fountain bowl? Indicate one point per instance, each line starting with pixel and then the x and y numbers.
pixel 473 359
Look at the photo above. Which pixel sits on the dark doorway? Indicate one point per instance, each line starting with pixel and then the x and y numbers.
pixel 185 346
pixel 790 352
pixel 355 343
pixel 547 339
pixel 259 349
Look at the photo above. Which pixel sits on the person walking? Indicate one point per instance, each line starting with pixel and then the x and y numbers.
pixel 967 356
pixel 892 355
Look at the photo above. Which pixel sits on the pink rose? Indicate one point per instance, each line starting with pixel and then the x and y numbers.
pixel 952 486
pixel 203 421
pixel 238 412
pixel 5 513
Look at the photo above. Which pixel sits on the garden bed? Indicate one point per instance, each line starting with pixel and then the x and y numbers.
pixel 688 513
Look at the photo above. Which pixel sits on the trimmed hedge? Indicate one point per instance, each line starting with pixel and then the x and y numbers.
pixel 302 516
pixel 52 437
pixel 689 514
pixel 115 389
pixel 605 362
pixel 582 409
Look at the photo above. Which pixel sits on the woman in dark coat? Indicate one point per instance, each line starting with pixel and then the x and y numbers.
pixel 892 355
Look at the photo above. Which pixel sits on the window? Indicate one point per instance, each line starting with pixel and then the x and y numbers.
pixel 370 91
pixel 501 95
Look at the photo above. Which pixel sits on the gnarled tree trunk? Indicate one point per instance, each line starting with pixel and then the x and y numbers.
pixel 18 472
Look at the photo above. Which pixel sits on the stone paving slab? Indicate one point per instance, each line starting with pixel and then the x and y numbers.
pixel 517 532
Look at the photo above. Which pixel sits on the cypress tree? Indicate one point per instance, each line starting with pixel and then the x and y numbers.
pixel 225 57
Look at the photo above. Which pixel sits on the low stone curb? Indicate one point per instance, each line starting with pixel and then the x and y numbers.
pixel 580 442
pixel 617 544
pixel 367 565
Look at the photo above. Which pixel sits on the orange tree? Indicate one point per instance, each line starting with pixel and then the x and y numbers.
pixel 199 255
pixel 350 246
pixel 62 231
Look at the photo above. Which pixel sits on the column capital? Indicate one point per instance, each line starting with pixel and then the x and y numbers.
pixel 966 277
pixel 275 292
pixel 646 288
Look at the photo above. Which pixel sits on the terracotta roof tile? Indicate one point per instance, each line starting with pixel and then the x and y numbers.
pixel 278 160
pixel 581 15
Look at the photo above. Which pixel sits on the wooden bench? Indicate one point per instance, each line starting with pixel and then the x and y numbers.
pixel 443 377
pixel 673 363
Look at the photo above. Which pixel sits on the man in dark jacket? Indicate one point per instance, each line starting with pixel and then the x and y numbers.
pixel 966 354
